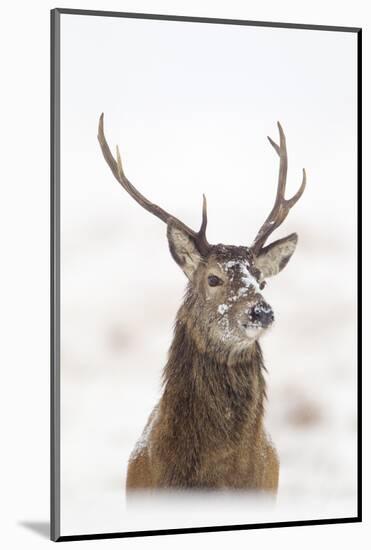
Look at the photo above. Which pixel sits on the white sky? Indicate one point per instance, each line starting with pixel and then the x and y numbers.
pixel 191 105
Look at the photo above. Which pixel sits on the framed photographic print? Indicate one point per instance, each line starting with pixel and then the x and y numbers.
pixel 205 300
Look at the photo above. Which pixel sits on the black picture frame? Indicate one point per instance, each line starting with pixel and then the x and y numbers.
pixel 55 272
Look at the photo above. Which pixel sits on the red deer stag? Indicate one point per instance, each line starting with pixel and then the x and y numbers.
pixel 207 430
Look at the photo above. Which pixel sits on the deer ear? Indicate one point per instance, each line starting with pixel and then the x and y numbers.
pixel 274 257
pixel 183 249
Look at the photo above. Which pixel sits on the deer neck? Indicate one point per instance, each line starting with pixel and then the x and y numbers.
pixel 207 396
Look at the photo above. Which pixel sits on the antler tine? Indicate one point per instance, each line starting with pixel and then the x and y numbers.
pixel 281 206
pixel 118 172
pixel 298 194
pixel 201 240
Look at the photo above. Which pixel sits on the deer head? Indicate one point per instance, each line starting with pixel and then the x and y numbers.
pixel 224 302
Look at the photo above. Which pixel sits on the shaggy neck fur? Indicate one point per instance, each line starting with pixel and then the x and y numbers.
pixel 209 405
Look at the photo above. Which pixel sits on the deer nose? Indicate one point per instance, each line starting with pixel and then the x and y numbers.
pixel 262 314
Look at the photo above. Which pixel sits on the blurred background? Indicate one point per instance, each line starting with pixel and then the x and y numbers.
pixel 191 105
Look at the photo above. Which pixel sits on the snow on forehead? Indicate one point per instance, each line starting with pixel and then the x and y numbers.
pixel 241 265
pixel 235 265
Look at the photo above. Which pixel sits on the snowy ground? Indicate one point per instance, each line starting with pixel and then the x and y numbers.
pixel 116 328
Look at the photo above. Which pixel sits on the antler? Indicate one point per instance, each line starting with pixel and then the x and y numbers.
pixel 116 166
pixel 281 206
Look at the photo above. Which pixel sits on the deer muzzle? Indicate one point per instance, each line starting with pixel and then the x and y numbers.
pixel 259 315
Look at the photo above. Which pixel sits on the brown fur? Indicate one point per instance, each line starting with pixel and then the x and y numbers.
pixel 207 430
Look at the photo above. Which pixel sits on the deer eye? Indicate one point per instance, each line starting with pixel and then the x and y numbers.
pixel 213 280
pixel 262 285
